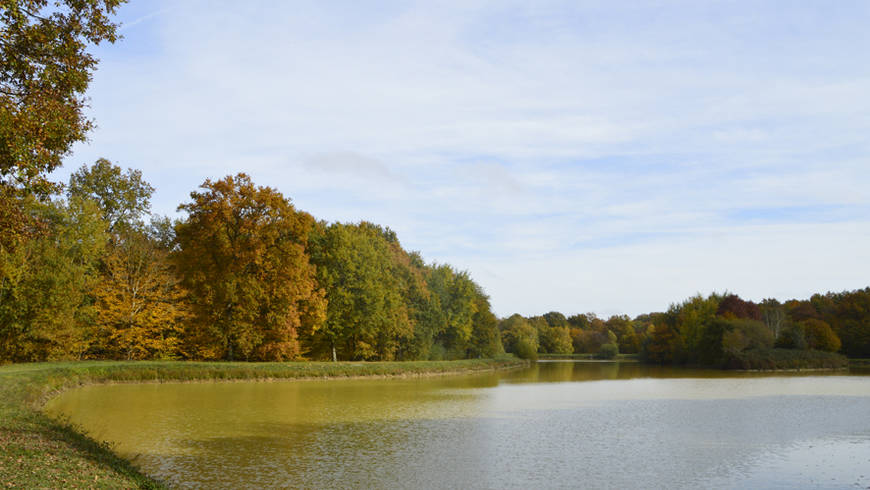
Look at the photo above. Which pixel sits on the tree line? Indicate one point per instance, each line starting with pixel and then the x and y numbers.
pixel 244 276
pixel 88 272
pixel 717 330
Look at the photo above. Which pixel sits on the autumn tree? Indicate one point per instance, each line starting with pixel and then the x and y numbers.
pixel 665 345
pixel 587 341
pixel 820 336
pixel 732 306
pixel 46 69
pixel 629 342
pixel 242 256
pixel 140 306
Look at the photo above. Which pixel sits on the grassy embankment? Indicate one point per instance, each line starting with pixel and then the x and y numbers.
pixel 39 452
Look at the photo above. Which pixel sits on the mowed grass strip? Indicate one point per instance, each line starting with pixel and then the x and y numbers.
pixel 39 452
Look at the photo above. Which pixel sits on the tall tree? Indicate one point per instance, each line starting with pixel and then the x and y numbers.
pixel 367 317
pixel 485 337
pixel 692 318
pixel 453 293
pixel 141 308
pixel 123 197
pixel 732 306
pixel 46 69
pixel 45 293
pixel 242 255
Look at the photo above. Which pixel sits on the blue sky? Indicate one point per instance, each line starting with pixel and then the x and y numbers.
pixel 572 156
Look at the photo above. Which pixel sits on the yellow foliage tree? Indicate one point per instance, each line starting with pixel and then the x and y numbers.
pixel 141 308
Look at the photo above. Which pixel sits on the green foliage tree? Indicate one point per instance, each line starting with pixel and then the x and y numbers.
pixel 45 303
pixel 367 317
pixel 850 319
pixel 580 320
pixel 792 337
pixel 773 316
pixel 555 319
pixel 123 197
pixel 242 255
pixel 485 337
pixel 454 294
pixel 519 337
pixel 556 340
pixel 608 351
pixel 692 317
pixel 742 334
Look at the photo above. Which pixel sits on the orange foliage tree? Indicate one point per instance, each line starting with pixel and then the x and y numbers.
pixel 242 256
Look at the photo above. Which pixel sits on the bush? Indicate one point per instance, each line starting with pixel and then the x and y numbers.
pixel 608 351
pixel 526 349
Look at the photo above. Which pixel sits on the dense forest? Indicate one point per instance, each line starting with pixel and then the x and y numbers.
pixel 244 276
pixel 720 330
pixel 87 272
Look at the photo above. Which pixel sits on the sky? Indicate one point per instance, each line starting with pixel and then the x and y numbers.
pixel 578 156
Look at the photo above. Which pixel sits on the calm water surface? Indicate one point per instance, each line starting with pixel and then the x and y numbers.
pixel 554 425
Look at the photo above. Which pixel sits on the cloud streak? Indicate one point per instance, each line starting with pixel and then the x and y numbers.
pixel 572 156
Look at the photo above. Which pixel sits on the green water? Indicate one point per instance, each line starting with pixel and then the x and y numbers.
pixel 554 425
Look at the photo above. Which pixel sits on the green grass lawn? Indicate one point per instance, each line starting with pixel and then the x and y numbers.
pixel 39 452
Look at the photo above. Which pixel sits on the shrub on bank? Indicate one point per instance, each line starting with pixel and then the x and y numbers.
pixel 608 351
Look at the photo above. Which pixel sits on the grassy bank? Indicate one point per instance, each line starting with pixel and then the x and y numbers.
pixel 38 452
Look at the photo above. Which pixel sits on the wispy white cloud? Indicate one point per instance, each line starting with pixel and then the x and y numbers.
pixel 572 155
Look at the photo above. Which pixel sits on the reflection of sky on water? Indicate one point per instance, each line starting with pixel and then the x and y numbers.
pixel 555 425
pixel 819 463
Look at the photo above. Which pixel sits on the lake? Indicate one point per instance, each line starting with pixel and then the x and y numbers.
pixel 554 425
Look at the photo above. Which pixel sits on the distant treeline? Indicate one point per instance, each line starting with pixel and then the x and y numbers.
pixel 244 276
pixel 719 330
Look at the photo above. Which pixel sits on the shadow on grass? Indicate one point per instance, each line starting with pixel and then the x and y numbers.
pixel 99 453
